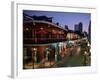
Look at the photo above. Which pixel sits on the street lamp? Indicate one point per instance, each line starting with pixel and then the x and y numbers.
pixel 48 56
pixel 56 56
pixel 86 56
pixel 34 57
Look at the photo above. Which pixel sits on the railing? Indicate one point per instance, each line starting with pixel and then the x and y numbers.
pixel 44 40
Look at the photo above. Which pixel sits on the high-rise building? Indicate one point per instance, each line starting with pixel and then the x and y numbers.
pixel 78 27
pixel 66 27
pixel 89 32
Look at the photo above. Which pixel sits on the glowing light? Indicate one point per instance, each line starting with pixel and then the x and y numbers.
pixel 27 29
pixel 34 49
pixel 41 28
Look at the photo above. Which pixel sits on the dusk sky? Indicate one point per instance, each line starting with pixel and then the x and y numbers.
pixel 64 18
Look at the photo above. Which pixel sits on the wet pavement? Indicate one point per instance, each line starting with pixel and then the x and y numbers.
pixel 75 56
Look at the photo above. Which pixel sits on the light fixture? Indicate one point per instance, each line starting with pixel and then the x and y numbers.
pixel 27 29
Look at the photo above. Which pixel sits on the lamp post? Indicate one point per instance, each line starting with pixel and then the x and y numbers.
pixel 85 58
pixel 48 56
pixel 34 57
pixel 56 56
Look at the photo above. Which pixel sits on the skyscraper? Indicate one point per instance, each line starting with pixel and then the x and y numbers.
pixel 66 27
pixel 78 27
pixel 89 32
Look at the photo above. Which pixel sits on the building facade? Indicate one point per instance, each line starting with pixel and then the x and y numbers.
pixel 45 42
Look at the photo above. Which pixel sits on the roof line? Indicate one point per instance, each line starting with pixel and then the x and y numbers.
pixel 41 21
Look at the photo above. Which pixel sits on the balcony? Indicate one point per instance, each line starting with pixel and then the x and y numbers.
pixel 42 40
